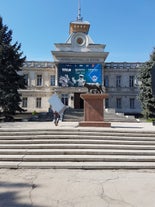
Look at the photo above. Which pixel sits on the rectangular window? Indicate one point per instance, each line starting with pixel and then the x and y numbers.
pixel 38 102
pixel 119 103
pixel 52 80
pixel 24 102
pixel 118 81
pixel 106 81
pixel 26 79
pixel 64 99
pixel 132 103
pixel 39 80
pixel 131 81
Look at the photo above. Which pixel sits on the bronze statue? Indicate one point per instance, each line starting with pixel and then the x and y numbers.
pixel 94 88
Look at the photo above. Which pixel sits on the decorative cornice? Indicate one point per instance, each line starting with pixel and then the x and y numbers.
pixel 89 57
pixel 38 64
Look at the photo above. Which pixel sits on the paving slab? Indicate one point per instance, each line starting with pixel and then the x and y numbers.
pixel 77 188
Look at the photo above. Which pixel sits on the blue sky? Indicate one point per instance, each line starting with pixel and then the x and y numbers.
pixel 126 27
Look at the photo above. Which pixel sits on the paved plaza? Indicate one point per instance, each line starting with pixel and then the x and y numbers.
pixel 139 126
pixel 76 188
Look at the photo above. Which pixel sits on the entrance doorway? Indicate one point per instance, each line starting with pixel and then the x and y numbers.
pixel 78 102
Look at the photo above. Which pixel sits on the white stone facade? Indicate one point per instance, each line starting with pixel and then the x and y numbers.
pixel 123 93
pixel 120 83
pixel 39 86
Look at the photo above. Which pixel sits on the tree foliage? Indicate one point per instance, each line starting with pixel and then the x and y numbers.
pixel 145 95
pixel 11 80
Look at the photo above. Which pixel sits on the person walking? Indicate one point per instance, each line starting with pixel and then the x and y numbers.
pixel 56 118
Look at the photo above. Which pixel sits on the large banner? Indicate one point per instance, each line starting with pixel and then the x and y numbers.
pixel 75 75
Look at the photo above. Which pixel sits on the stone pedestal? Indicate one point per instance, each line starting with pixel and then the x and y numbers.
pixel 94 110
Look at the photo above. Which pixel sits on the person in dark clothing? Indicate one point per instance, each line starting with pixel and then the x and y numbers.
pixel 56 118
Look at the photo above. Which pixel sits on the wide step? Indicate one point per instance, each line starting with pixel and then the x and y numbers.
pixel 77 149
pixel 77 158
pixel 78 165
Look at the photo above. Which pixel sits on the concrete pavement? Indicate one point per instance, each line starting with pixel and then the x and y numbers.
pixel 76 188
pixel 124 126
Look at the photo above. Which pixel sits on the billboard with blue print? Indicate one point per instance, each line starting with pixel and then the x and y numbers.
pixel 74 75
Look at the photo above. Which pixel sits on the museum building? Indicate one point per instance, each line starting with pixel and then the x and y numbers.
pixel 77 61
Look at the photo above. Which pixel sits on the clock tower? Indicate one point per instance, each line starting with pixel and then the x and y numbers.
pixel 78 58
pixel 79 47
pixel 79 31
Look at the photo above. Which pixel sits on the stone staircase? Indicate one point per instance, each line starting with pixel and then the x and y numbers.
pixel 77 148
pixel 111 116
pixel 77 115
pixel 73 115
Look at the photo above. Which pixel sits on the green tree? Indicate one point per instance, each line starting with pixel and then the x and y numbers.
pixel 145 95
pixel 11 80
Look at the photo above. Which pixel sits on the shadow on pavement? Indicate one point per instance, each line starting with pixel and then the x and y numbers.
pixel 10 197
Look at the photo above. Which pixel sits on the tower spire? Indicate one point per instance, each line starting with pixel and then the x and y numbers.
pixel 79 25
pixel 79 18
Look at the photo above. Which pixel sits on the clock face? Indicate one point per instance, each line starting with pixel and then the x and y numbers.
pixel 79 40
